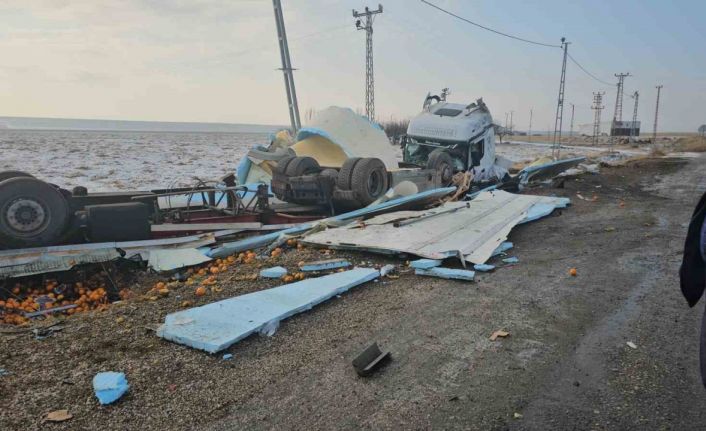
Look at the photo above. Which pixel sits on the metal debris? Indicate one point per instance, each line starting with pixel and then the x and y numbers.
pixel 448 273
pixel 370 360
pixel 217 326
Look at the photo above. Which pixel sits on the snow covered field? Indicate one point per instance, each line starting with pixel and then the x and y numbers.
pixel 121 160
pixel 521 151
pixel 105 160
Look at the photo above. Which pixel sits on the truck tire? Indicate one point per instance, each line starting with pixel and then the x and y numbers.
pixel 345 175
pixel 281 166
pixel 440 160
pixel 299 166
pixel 32 213
pixel 369 180
pixel 6 175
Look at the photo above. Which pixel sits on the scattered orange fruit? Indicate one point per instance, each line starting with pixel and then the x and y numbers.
pixel 200 291
pixel 573 272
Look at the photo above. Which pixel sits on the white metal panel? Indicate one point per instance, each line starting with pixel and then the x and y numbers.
pixel 473 230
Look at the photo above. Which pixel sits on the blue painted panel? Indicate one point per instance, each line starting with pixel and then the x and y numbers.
pixel 109 386
pixel 482 267
pixel 214 327
pixel 425 263
pixel 325 264
pixel 274 272
pixel 455 274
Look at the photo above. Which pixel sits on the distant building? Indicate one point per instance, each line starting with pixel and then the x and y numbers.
pixel 625 128
pixel 587 129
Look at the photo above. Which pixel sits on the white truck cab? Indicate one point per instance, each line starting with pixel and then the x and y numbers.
pixel 464 132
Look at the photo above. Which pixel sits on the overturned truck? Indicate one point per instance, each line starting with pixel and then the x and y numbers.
pixel 445 138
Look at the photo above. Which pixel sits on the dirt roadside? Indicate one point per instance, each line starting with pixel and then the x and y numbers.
pixel 566 364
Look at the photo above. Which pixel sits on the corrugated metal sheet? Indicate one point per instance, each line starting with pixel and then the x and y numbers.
pixel 39 263
pixel 30 261
pixel 473 229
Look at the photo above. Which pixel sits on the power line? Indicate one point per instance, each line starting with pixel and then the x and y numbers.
pixel 587 72
pixel 489 29
pixel 517 38
pixel 324 31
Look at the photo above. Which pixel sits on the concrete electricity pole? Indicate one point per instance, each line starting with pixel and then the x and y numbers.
pixel 369 78
pixel 598 107
pixel 636 96
pixel 529 133
pixel 512 124
pixel 618 113
pixel 654 127
pixel 560 104
pixel 571 131
pixel 287 68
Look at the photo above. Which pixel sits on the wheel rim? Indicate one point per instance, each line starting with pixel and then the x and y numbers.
pixel 25 215
pixel 375 183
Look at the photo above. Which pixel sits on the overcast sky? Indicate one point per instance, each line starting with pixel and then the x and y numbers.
pixel 216 60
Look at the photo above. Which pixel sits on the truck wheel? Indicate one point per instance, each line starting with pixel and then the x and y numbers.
pixel 302 166
pixel 6 175
pixel 369 180
pixel 441 161
pixel 346 173
pixel 281 166
pixel 32 213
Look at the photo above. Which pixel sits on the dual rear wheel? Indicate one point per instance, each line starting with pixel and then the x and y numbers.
pixel 364 179
pixel 32 213
pixel 367 178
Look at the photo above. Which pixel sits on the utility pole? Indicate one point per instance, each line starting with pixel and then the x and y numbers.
pixel 506 117
pixel 636 96
pixel 560 103
pixel 529 133
pixel 369 78
pixel 287 68
pixel 597 106
pixel 618 113
pixel 571 132
pixel 654 127
pixel 512 124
